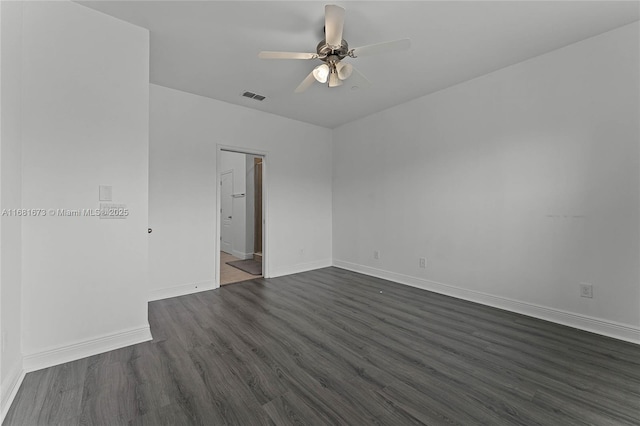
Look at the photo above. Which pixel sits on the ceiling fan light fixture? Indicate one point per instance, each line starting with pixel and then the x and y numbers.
pixel 334 80
pixel 344 70
pixel 321 73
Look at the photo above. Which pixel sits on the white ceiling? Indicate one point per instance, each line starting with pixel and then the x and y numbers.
pixel 210 48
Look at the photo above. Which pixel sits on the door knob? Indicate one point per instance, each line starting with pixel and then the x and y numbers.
pixel 229 217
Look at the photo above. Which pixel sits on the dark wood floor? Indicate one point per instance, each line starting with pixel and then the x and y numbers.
pixel 335 347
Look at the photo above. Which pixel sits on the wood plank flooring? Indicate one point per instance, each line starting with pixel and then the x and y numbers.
pixel 335 347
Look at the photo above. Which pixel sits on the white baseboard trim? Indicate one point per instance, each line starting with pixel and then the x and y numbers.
pixel 86 348
pixel 241 255
pixel 613 329
pixel 180 290
pixel 9 389
pixel 300 267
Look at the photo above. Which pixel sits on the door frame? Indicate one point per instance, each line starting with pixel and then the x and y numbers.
pixel 265 208
pixel 224 172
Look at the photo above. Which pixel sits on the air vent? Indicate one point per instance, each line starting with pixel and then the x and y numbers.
pixel 254 96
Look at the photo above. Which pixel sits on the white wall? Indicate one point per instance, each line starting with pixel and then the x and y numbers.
pixel 236 162
pixel 185 130
pixel 85 98
pixel 10 198
pixel 516 186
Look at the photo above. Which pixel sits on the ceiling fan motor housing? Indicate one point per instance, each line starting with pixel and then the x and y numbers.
pixel 327 53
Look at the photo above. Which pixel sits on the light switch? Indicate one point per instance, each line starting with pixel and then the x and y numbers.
pixel 105 193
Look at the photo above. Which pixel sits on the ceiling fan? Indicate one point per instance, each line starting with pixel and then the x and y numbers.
pixel 332 50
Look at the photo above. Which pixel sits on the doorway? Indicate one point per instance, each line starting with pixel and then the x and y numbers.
pixel 241 248
pixel 226 212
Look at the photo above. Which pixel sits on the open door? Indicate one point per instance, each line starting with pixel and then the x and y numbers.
pixel 257 235
pixel 226 212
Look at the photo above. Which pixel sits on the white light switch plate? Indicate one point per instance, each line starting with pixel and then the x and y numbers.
pixel 105 193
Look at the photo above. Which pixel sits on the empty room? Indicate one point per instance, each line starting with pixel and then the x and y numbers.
pixel 313 213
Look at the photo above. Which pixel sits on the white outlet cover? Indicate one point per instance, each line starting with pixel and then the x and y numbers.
pixel 586 290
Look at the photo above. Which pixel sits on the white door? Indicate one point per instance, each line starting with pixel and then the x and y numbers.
pixel 226 212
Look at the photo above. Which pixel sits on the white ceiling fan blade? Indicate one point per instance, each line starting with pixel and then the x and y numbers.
pixel 306 83
pixel 286 55
pixel 375 49
pixel 333 25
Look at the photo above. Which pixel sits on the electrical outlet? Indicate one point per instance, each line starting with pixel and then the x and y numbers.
pixel 423 262
pixel 376 254
pixel 586 290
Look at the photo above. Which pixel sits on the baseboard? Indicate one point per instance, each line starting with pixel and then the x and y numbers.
pixel 241 255
pixel 86 348
pixel 180 290
pixel 9 389
pixel 607 328
pixel 300 267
